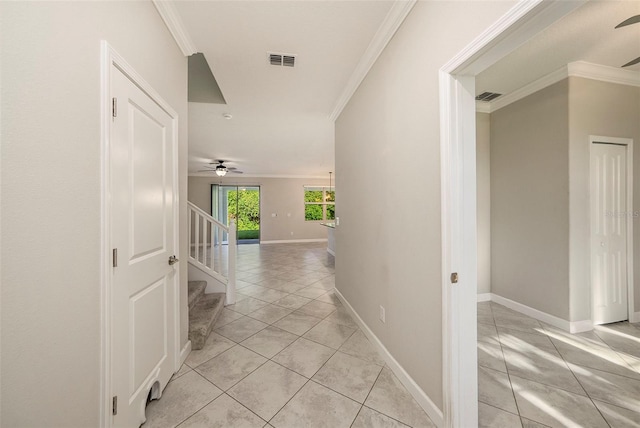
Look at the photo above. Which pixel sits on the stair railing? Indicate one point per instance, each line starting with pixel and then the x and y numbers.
pixel 212 248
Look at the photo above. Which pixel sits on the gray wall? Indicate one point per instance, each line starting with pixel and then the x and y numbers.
pixel 483 173
pixel 388 246
pixel 281 196
pixel 610 110
pixel 529 201
pixel 51 214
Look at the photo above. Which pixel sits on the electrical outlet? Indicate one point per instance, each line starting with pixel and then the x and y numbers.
pixel 382 314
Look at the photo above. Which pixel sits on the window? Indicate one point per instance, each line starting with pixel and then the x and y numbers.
pixel 319 203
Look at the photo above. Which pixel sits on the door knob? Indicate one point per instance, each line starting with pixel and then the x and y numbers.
pixel 173 260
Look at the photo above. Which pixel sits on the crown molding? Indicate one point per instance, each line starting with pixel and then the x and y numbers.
pixel 582 69
pixel 483 107
pixel 529 89
pixel 396 15
pixel 603 73
pixel 171 18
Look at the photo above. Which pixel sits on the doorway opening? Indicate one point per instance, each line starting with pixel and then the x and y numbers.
pixel 240 204
pixel 459 203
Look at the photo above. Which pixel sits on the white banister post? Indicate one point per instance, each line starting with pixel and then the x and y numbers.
pixel 190 231
pixel 231 285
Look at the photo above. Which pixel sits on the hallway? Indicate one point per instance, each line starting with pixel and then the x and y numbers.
pixel 287 354
pixel 531 374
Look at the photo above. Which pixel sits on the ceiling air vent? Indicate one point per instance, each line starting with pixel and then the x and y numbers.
pixel 282 60
pixel 487 96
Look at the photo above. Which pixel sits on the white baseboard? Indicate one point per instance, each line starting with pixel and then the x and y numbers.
pixel 571 327
pixel 293 241
pixel 484 297
pixel 418 394
pixel 184 354
pixel 580 326
pixel 330 251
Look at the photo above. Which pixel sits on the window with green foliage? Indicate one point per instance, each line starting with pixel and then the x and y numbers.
pixel 319 203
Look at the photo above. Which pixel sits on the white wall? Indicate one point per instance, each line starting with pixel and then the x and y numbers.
pixel 388 243
pixel 51 186
pixel 530 201
pixel 280 196
pixel 610 110
pixel 483 173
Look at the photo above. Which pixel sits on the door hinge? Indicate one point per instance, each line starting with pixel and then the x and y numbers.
pixel 114 405
pixel 115 257
pixel 114 107
pixel 454 278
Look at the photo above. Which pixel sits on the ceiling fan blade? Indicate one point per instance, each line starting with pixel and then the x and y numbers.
pixel 634 62
pixel 207 170
pixel 235 171
pixel 632 20
pixel 231 168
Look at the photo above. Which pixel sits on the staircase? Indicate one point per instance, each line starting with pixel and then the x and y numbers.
pixel 212 272
pixel 204 310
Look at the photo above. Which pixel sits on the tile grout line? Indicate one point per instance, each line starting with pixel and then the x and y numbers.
pixel 506 366
pixel 578 380
pixel 184 420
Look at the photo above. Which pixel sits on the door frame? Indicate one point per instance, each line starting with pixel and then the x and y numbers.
pixel 628 143
pixel 109 58
pixel 458 195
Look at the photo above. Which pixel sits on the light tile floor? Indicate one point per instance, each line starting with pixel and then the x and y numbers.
pixel 287 354
pixel 531 374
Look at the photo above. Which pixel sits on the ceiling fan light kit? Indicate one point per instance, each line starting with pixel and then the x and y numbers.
pixel 221 169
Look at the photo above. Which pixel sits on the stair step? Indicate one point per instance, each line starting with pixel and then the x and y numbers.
pixel 203 316
pixel 196 289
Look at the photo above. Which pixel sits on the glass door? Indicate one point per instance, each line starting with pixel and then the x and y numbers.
pixel 241 204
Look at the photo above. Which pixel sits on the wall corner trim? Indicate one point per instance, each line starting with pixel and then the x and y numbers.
pixel 171 18
pixel 396 15
pixel 418 394
pixel 635 317
pixel 570 326
pixel 186 350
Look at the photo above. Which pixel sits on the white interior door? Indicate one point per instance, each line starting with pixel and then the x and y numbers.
pixel 609 218
pixel 142 199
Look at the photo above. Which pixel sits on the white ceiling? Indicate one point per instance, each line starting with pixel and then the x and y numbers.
pixel 587 34
pixel 280 124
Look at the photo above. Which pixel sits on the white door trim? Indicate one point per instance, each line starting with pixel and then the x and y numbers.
pixel 628 142
pixel 459 241
pixel 109 58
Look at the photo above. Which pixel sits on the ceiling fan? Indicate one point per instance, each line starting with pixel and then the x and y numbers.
pixel 221 169
pixel 633 20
